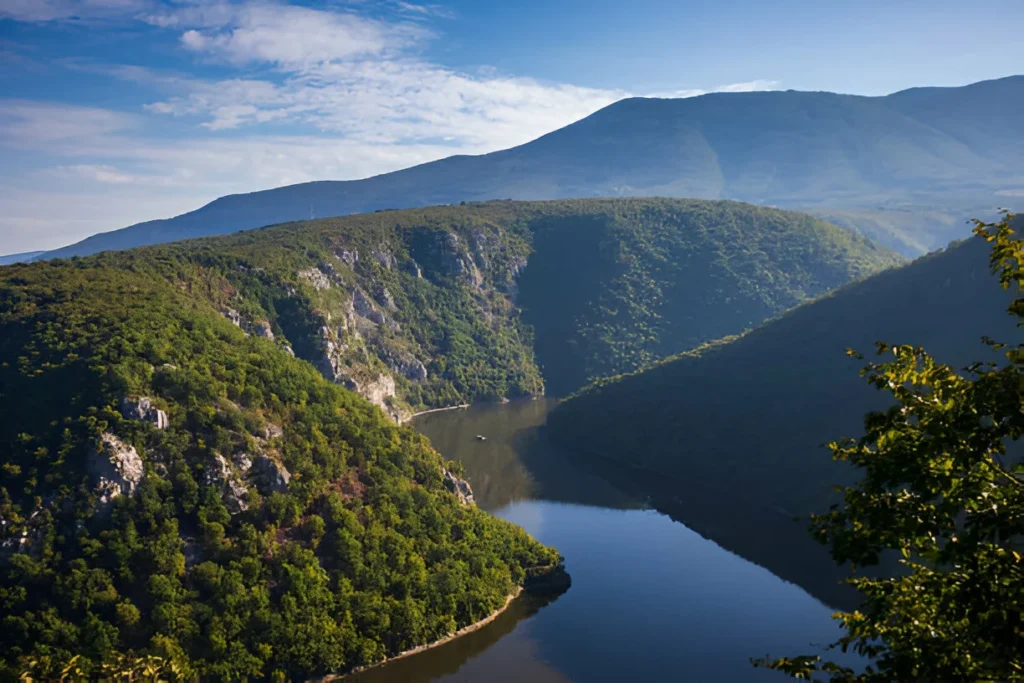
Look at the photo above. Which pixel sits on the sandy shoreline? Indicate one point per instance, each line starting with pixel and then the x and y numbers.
pixel 447 639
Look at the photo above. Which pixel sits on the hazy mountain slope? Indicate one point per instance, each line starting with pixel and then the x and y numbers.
pixel 947 148
pixel 172 487
pixel 19 258
pixel 751 414
pixel 432 307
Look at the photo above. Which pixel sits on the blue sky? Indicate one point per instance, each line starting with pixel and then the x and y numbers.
pixel 117 111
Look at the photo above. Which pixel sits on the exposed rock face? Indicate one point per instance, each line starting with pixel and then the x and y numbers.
pixel 142 409
pixel 384 257
pixel 456 260
pixel 233 491
pixel 378 390
pixel 385 297
pixel 402 361
pixel 242 461
pixel 365 308
pixel 460 487
pixel 273 431
pixel 316 278
pixel 232 315
pixel 348 257
pixel 264 330
pixel 270 476
pixel 517 265
pixel 115 469
pixel 330 364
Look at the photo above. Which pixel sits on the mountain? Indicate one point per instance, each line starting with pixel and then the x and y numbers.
pixel 427 308
pixel 906 169
pixel 178 496
pixel 752 413
pixel 179 491
pixel 23 257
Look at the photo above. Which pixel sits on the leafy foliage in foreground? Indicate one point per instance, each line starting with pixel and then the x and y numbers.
pixel 939 488
pixel 491 297
pixel 364 553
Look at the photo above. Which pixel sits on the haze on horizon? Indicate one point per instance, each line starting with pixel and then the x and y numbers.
pixel 119 111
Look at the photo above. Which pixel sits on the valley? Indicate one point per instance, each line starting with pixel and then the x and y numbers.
pixel 424 309
pixel 554 341
pixel 702 597
pixel 221 413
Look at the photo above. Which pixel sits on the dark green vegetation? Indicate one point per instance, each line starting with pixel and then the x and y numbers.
pixel 178 492
pixel 251 520
pixel 906 169
pixel 750 415
pixel 436 307
pixel 939 487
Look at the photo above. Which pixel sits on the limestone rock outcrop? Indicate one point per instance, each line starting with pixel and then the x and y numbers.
pixel 460 487
pixel 233 492
pixel 316 278
pixel 142 409
pixel 270 475
pixel 116 469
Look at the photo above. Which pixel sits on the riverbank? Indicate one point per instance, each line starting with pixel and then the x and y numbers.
pixel 461 406
pixel 437 643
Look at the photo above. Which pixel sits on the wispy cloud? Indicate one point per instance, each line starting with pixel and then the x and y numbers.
pixel 747 86
pixel 64 10
pixel 296 38
pixel 28 123
pixel 334 91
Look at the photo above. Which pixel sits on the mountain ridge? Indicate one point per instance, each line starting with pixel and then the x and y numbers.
pixel 846 158
pixel 424 308
pixel 753 412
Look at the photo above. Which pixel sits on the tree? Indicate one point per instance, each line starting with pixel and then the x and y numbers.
pixel 940 490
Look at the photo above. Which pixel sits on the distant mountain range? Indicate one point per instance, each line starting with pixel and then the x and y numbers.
pixel 20 258
pixel 906 169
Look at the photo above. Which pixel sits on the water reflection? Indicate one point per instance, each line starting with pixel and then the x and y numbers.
pixel 456 659
pixel 514 463
pixel 651 598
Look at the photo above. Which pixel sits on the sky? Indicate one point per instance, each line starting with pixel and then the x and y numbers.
pixel 117 111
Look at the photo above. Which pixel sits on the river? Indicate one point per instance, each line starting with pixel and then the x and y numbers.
pixel 651 598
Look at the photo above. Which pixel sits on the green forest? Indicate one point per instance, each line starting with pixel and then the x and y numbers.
pixel 753 412
pixel 427 308
pixel 172 488
pixel 192 483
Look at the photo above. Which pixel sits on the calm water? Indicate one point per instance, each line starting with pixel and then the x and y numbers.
pixel 651 599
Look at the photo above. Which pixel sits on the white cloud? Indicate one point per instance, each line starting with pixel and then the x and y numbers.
pixel 747 86
pixel 296 37
pixel 62 10
pixel 34 124
pixel 98 172
pixel 327 93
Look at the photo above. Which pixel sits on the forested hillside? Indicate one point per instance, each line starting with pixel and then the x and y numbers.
pixel 434 307
pixel 906 169
pixel 173 487
pixel 750 415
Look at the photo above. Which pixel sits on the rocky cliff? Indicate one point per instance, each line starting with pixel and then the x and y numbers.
pixel 429 308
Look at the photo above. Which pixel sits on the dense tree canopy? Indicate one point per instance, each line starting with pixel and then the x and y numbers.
pixel 753 412
pixel 499 299
pixel 940 488
pixel 201 567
